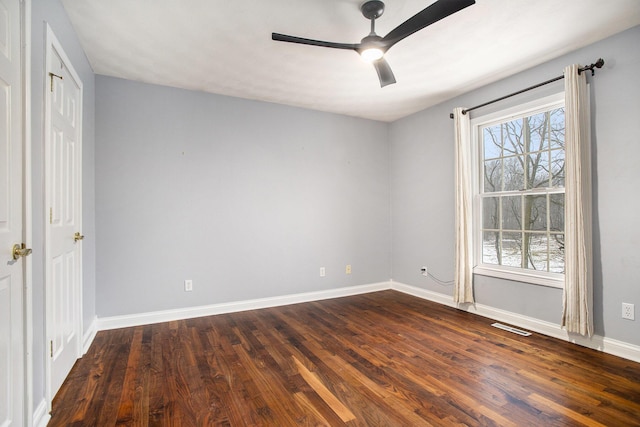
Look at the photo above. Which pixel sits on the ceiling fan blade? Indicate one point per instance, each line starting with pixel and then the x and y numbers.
pixel 300 40
pixel 384 72
pixel 433 13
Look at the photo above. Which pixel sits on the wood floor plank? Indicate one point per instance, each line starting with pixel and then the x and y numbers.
pixel 546 403
pixel 330 399
pixel 309 407
pixel 430 382
pixel 383 394
pixel 133 377
pixel 154 394
pixel 358 401
pixel 379 359
pixel 114 374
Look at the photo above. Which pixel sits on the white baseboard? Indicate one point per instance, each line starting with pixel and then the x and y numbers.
pixel 424 294
pixel 597 342
pixel 115 322
pixel 607 345
pixel 89 335
pixel 40 415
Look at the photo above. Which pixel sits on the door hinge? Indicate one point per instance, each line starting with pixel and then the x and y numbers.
pixel 51 76
pixel 51 348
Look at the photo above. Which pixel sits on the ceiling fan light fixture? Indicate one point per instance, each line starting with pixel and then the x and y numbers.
pixel 372 54
pixel 372 47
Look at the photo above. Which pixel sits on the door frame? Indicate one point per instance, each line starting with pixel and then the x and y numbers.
pixel 27 210
pixel 23 365
pixel 52 43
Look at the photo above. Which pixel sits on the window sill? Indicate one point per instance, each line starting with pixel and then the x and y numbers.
pixel 552 280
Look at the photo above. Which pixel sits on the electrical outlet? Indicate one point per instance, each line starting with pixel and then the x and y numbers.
pixel 628 311
pixel 424 271
pixel 188 285
pixel 322 272
pixel 347 269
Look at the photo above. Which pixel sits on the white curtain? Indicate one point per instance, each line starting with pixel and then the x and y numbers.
pixel 463 278
pixel 577 302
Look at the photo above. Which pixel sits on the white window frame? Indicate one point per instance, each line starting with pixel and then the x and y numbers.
pixel 555 280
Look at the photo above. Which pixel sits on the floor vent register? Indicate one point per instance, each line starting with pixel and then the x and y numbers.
pixel 511 329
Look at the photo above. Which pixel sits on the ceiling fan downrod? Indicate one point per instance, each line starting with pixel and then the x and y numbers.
pixel 372 49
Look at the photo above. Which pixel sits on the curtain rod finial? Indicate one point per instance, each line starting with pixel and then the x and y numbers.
pixel 463 113
pixel 598 64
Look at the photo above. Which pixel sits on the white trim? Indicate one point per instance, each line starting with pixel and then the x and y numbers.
pixel 27 191
pixel 597 342
pixel 442 299
pixel 115 322
pixel 554 280
pixel 606 345
pixel 40 415
pixel 89 335
pixel 520 110
pixel 52 43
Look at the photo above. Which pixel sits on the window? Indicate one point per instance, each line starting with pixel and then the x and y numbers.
pixel 519 193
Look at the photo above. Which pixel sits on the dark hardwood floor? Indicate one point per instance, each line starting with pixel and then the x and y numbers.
pixel 381 359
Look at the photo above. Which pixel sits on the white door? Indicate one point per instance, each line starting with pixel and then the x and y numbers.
pixel 63 113
pixel 11 218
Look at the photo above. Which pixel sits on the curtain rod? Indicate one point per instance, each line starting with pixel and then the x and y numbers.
pixel 598 64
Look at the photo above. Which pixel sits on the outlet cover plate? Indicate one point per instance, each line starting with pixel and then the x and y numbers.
pixel 628 311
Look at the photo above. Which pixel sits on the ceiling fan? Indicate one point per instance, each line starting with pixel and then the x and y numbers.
pixel 373 47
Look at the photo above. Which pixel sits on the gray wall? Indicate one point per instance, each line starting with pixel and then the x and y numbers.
pixel 247 199
pixel 422 189
pixel 52 12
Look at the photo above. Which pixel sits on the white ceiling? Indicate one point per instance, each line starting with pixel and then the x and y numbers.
pixel 225 47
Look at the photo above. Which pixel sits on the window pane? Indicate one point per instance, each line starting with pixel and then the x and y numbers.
pixel 538 132
pixel 538 170
pixel 557 168
pixel 556 212
pixel 535 212
pixel 492 139
pixel 492 176
pixel 490 213
pixel 522 200
pixel 512 137
pixel 512 249
pixel 536 251
pixel 556 119
pixel 511 213
pixel 514 173
pixel 556 253
pixel 491 248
